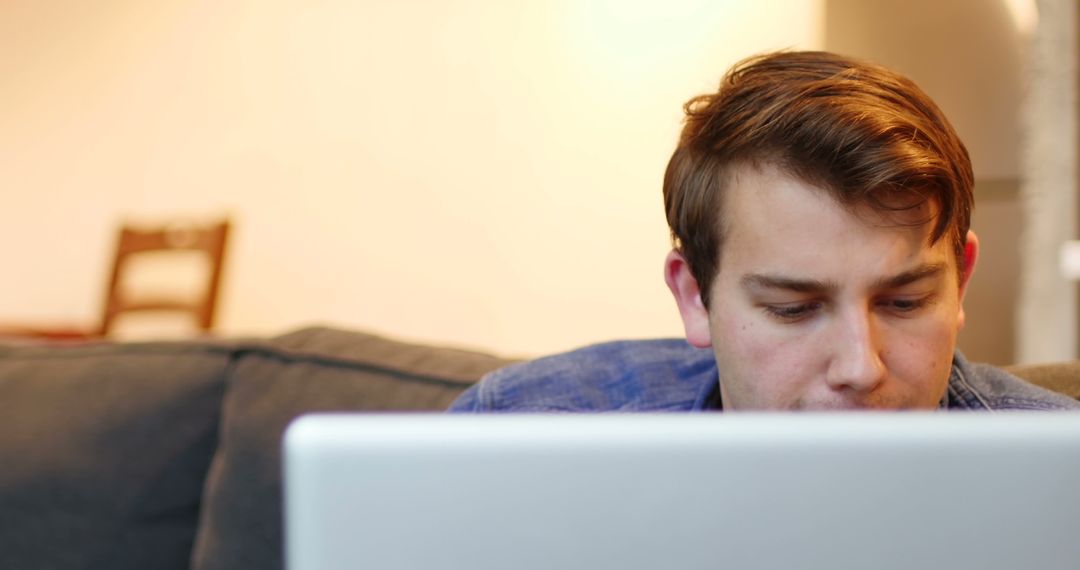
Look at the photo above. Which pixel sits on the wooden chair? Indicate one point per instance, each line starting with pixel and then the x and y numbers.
pixel 133 243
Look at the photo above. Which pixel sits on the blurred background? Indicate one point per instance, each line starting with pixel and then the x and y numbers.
pixel 475 172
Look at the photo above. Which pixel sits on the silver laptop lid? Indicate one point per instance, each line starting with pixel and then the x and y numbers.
pixel 686 491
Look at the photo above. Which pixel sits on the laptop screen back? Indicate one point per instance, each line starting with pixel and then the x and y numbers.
pixel 687 491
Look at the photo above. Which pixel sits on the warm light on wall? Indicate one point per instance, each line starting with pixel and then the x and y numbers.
pixel 463 171
pixel 1025 13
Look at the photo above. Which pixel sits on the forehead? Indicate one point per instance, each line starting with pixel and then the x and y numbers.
pixel 773 217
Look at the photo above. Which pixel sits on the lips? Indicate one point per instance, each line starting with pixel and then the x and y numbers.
pixel 849 405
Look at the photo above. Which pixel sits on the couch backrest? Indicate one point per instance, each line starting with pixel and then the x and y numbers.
pixel 165 455
pixel 1062 377
pixel 104 451
pixel 311 370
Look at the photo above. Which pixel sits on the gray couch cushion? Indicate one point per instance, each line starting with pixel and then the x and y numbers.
pixel 271 384
pixel 1062 377
pixel 104 453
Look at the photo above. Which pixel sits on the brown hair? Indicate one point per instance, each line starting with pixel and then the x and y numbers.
pixel 864 133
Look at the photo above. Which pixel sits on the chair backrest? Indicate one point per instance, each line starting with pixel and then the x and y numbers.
pixel 134 242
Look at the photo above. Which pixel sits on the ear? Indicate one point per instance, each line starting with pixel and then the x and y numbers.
pixel 684 287
pixel 971 255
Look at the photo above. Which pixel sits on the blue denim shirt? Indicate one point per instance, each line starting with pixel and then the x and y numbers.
pixel 670 375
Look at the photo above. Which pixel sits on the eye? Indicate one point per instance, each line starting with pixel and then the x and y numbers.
pixel 905 305
pixel 792 312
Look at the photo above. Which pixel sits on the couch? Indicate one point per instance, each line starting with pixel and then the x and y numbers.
pixel 166 455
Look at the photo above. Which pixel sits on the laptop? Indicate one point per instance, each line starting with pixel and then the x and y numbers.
pixel 683 491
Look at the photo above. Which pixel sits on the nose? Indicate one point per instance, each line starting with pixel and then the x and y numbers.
pixel 856 364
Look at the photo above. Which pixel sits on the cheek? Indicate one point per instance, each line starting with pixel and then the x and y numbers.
pixel 922 356
pixel 910 357
pixel 757 339
pixel 762 358
pixel 743 337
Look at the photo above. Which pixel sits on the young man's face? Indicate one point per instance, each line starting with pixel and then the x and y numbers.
pixel 819 307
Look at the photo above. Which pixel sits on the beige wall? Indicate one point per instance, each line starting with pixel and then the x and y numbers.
pixel 477 172
pixel 966 54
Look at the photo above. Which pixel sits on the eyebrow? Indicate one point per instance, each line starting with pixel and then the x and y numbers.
pixel 761 281
pixel 912 275
pixel 765 281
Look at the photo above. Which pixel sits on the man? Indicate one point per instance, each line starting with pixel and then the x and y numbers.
pixel 819 209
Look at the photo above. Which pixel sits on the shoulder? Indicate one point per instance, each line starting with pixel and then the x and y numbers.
pixel 630 375
pixel 984 387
